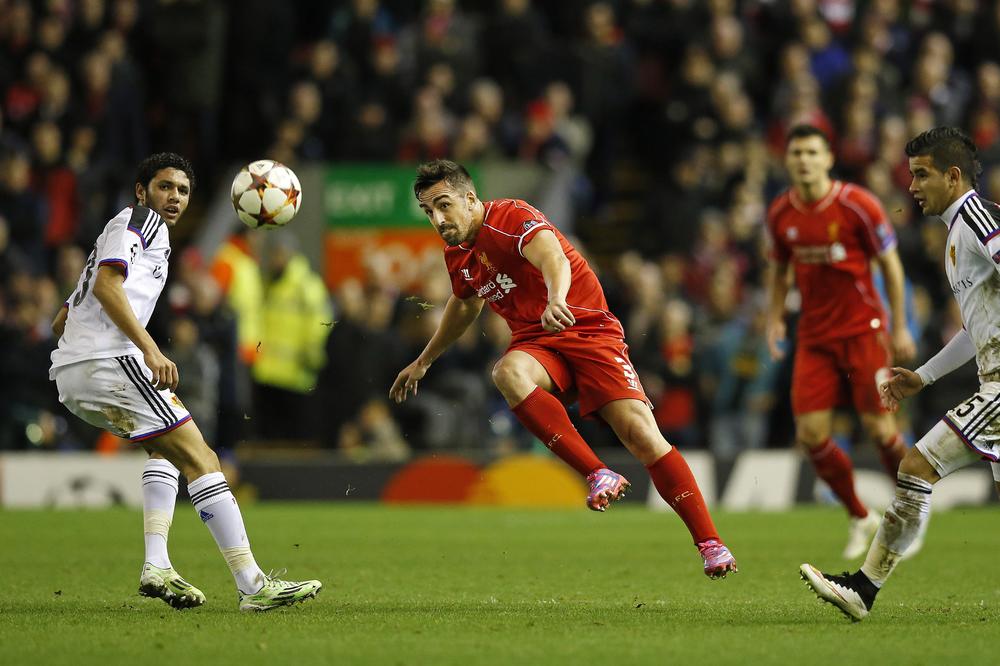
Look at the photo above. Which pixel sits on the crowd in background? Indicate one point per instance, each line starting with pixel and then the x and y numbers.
pixel 670 114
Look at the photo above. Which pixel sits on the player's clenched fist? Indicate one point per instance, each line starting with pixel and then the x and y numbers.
pixel 902 384
pixel 165 375
pixel 407 381
pixel 557 317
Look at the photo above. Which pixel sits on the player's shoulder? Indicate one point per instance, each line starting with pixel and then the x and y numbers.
pixel 779 205
pixel 512 216
pixel 982 217
pixel 143 222
pixel 857 195
pixel 861 201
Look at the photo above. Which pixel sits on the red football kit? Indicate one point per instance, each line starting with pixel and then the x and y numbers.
pixel 590 356
pixel 841 329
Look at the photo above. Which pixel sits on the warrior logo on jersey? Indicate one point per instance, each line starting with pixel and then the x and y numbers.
pixel 466 274
pixel 485 261
pixel 792 233
pixel 951 253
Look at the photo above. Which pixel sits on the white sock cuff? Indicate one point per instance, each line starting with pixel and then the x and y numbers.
pixel 909 484
pixel 156 522
pixel 208 489
pixel 158 470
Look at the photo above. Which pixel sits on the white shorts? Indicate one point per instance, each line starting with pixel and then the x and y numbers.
pixel 967 434
pixel 117 395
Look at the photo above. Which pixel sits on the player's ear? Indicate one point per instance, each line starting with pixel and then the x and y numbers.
pixel 140 194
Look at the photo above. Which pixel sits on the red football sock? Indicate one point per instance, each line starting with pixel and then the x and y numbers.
pixel 675 483
pixel 891 452
pixel 546 418
pixel 834 466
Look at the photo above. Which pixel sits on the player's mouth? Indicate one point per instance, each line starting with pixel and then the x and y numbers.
pixel 171 211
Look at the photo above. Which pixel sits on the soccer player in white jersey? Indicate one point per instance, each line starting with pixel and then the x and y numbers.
pixel 943 166
pixel 112 374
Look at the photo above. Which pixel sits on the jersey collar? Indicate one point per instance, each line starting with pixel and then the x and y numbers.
pixel 951 213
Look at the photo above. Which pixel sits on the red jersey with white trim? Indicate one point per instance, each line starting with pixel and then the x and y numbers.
pixel 831 243
pixel 494 268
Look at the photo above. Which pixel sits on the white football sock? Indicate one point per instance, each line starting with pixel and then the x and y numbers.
pixel 909 510
pixel 159 496
pixel 217 508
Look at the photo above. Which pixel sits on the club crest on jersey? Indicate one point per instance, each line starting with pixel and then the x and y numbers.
pixel 485 261
pixel 833 230
pixel 951 254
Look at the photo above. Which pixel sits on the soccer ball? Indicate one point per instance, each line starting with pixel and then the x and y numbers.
pixel 266 194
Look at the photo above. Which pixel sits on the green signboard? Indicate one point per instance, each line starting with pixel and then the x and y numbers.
pixel 358 196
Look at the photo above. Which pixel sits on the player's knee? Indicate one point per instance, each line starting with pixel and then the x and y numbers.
pixel 914 464
pixel 811 436
pixel 505 374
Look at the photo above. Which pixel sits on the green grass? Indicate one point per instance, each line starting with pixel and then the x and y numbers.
pixel 484 586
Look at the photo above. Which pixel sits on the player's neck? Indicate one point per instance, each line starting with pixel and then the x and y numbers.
pixel 478 217
pixel 813 192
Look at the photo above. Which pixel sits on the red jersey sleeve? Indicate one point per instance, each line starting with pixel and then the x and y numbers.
pixel 876 233
pixel 517 224
pixel 777 250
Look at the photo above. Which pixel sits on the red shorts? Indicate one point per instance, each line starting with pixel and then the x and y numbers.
pixel 839 373
pixel 596 366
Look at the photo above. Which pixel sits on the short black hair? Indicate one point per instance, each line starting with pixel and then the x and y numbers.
pixel 947 147
pixel 149 166
pixel 430 173
pixel 804 131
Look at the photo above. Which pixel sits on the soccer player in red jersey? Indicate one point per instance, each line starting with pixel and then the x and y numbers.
pixel 564 339
pixel 830 231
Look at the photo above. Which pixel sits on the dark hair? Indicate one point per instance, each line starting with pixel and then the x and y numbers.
pixel 430 173
pixel 947 147
pixel 804 131
pixel 149 166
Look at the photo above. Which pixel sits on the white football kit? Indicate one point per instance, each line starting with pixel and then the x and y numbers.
pixel 99 372
pixel 972 264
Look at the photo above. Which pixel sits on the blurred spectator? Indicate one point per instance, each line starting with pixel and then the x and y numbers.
pixel 295 320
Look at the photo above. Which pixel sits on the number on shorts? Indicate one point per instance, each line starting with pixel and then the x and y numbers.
pixel 967 408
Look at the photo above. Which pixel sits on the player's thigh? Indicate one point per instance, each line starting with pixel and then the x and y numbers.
pixel 633 423
pixel 865 361
pixel 532 365
pixel 813 428
pixel 967 433
pixel 186 449
pixel 817 381
pixel 602 371
pixel 880 426
pixel 114 395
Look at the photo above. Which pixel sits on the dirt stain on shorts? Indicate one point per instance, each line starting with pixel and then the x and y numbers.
pixel 120 420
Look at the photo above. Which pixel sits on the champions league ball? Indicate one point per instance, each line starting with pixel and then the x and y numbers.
pixel 266 194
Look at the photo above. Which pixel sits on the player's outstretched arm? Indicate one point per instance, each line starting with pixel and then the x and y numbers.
pixel 59 323
pixel 458 314
pixel 777 292
pixel 904 349
pixel 545 253
pixel 110 291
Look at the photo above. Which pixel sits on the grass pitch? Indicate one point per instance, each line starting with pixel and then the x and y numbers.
pixel 490 586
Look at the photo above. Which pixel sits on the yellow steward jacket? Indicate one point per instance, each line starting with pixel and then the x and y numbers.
pixel 295 321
